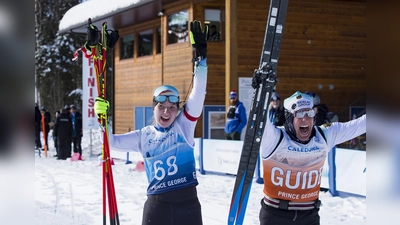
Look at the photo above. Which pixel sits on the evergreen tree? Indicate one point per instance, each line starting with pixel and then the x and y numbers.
pixel 58 78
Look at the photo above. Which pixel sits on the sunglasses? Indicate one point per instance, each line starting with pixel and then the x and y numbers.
pixel 310 113
pixel 163 98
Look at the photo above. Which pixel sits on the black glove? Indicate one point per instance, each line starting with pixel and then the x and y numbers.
pixel 198 38
pixel 93 35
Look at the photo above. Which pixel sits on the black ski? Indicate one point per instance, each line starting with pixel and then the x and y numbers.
pixel 264 81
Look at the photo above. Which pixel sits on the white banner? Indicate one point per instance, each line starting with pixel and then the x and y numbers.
pixel 245 96
pixel 89 94
pixel 221 155
pixel 350 176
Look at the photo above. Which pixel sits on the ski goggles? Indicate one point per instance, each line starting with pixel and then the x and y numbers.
pixel 163 98
pixel 300 114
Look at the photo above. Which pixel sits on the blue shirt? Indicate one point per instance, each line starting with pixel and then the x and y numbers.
pixel 238 122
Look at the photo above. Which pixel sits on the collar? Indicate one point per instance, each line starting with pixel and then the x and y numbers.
pixel 162 129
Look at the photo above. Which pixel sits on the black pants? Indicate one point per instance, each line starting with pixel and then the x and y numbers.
pixel 77 144
pixel 273 216
pixel 179 207
pixel 64 148
pixel 55 144
pixel 232 136
pixel 38 142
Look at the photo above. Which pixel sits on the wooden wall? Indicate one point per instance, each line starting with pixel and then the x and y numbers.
pixel 323 48
pixel 133 79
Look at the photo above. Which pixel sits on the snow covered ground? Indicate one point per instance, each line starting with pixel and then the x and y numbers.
pixel 69 192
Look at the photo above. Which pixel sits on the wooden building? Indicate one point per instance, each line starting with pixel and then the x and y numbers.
pixel 323 50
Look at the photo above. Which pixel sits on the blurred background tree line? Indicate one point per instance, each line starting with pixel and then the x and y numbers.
pixel 58 79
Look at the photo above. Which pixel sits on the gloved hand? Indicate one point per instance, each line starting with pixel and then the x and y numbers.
pixel 101 106
pixel 93 34
pixel 198 38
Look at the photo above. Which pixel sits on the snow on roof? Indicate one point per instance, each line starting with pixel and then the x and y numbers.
pixel 79 14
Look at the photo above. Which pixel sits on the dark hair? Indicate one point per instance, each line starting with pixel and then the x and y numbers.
pixel 213 26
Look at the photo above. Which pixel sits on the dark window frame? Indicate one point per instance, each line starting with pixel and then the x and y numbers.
pixel 143 49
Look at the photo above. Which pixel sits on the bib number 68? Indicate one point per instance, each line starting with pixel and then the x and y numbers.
pixel 159 171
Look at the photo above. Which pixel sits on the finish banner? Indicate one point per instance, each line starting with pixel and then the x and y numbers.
pixel 89 94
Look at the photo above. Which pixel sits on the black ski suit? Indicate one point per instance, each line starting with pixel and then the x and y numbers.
pixel 38 122
pixel 77 137
pixel 64 132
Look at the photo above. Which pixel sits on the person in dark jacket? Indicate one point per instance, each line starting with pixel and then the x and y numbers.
pixel 38 122
pixel 64 132
pixel 46 119
pixel 77 126
pixel 277 112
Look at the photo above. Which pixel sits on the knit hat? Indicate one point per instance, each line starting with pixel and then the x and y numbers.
pixel 275 96
pixel 298 101
pixel 233 94
pixel 166 90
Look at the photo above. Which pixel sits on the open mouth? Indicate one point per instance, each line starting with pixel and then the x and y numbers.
pixel 304 130
pixel 165 119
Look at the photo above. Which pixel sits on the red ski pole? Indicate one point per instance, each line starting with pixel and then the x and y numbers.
pixel 96 48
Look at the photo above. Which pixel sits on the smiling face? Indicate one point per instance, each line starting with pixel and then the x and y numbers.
pixel 165 113
pixel 303 126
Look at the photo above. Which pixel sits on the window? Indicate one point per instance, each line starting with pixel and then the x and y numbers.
pixel 213 21
pixel 158 46
pixel 214 122
pixel 145 43
pixel 127 47
pixel 178 27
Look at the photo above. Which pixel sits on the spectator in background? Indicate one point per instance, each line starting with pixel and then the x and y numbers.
pixel 236 118
pixel 67 107
pixel 63 131
pixel 321 110
pixel 76 118
pixel 45 120
pixel 277 113
pixel 56 115
pixel 38 124
pixel 214 34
